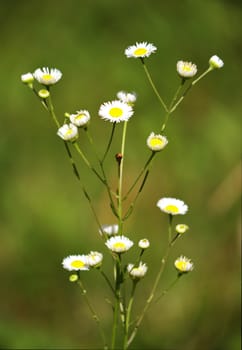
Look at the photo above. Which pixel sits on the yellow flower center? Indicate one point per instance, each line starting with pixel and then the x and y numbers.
pixel 69 132
pixel 187 67
pixel 116 112
pixel 140 51
pixel 47 76
pixel 77 264
pixel 119 245
pixel 172 208
pixel 156 142
pixel 80 116
pixel 181 265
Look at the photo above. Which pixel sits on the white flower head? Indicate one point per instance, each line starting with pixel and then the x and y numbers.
pixel 186 69
pixel 215 62
pixel 119 244
pixel 76 263
pixel 172 206
pixel 80 118
pixel 109 230
pixel 127 97
pixel 144 243
pixel 47 76
pixel 115 111
pixel 27 78
pixel 183 264
pixel 68 132
pixel 181 228
pixel 94 259
pixel 156 142
pixel 137 272
pixel 140 50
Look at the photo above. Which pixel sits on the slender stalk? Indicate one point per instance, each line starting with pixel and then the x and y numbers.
pixel 140 174
pixel 105 180
pixel 153 85
pixel 194 82
pixel 153 291
pixel 109 143
pixel 120 178
pixel 117 278
pixel 128 315
pixel 79 151
pixel 165 291
pixel 93 312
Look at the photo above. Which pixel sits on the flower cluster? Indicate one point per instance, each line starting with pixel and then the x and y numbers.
pixel 82 262
pixel 119 111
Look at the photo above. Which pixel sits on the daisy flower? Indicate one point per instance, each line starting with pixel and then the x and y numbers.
pixel 140 50
pixel 109 230
pixel 215 62
pixel 119 244
pixel 181 228
pixel 183 264
pixel 68 132
pixel 94 259
pixel 115 111
pixel 137 272
pixel 27 78
pixel 47 76
pixel 80 118
pixel 172 206
pixel 144 243
pixel 186 69
pixel 156 142
pixel 127 97
pixel 76 263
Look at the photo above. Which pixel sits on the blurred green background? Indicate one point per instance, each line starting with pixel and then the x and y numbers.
pixel 44 215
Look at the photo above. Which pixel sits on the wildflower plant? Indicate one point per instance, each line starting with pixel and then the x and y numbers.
pixel 116 242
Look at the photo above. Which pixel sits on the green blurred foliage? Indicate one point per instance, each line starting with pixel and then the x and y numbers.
pixel 45 217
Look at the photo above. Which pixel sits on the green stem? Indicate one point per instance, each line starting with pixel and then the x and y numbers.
pixel 52 111
pixel 157 280
pixel 120 178
pixel 105 180
pixel 140 174
pixel 165 291
pixel 153 85
pixel 171 104
pixel 93 312
pixel 109 143
pixel 128 315
pixel 117 277
pixel 194 82
pixel 79 151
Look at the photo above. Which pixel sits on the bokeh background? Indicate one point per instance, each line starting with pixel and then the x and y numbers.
pixel 44 215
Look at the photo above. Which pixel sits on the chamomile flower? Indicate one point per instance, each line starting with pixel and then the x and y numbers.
pixel 68 132
pixel 186 69
pixel 47 76
pixel 80 118
pixel 137 272
pixel 27 78
pixel 183 264
pixel 172 206
pixel 181 228
pixel 115 111
pixel 127 97
pixel 94 259
pixel 144 243
pixel 109 230
pixel 140 50
pixel 76 263
pixel 119 244
pixel 156 142
pixel 215 62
